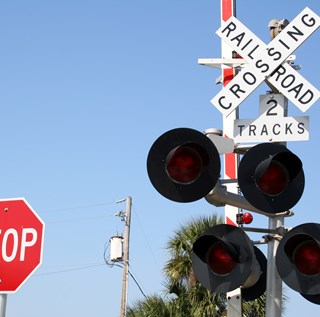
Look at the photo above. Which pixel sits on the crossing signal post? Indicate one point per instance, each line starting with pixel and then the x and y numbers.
pixel 184 166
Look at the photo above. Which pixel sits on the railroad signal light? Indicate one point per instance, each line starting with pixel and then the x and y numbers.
pixel 224 259
pixel 183 165
pixel 298 260
pixel 271 177
pixel 244 218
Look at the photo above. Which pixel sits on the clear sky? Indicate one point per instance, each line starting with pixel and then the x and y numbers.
pixel 86 88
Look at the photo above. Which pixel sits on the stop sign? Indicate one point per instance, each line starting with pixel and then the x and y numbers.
pixel 21 240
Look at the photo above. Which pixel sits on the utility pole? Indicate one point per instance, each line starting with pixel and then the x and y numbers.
pixel 124 293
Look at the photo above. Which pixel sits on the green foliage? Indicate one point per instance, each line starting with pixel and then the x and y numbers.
pixel 183 295
pixel 152 306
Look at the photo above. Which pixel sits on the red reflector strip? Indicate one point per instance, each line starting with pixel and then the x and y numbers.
pixel 227 9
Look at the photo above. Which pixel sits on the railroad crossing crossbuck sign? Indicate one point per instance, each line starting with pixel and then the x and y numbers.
pixel 268 62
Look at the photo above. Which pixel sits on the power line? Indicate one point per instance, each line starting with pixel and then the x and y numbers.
pixel 70 270
pixel 120 265
pixel 80 219
pixel 145 237
pixel 137 284
pixel 80 207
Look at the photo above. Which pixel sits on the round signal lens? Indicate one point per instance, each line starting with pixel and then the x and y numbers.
pixel 274 180
pixel 219 260
pixel 184 164
pixel 306 257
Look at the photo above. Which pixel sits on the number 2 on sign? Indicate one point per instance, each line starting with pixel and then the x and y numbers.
pixel 272 105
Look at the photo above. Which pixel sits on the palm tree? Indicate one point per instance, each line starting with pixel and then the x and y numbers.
pixel 184 296
pixel 152 306
pixel 178 269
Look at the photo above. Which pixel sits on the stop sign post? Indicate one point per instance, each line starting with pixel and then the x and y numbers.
pixel 21 243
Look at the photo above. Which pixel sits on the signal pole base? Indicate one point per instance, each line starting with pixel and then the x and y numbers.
pixel 234 306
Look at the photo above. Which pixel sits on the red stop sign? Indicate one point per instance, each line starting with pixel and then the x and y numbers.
pixel 21 240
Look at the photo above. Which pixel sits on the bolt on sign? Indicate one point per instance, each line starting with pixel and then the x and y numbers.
pixel 268 62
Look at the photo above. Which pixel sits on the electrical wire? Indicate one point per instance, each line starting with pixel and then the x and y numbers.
pixel 79 219
pixel 89 206
pixel 145 237
pixel 137 284
pixel 80 207
pixel 119 264
pixel 70 270
pixel 105 256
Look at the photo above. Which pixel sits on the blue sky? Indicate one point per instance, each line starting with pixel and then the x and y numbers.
pixel 86 88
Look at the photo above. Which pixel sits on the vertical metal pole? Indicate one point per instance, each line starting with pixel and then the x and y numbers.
pixel 3 304
pixel 274 282
pixel 124 295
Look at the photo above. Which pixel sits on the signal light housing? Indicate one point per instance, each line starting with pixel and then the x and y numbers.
pixel 271 177
pixel 298 260
pixel 183 165
pixel 224 259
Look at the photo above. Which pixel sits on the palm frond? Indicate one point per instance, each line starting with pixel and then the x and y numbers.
pixel 183 295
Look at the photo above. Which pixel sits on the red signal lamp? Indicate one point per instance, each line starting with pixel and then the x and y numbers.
pixel 220 260
pixel 274 179
pixel 271 177
pixel 298 260
pixel 247 218
pixel 306 257
pixel 183 165
pixel 224 258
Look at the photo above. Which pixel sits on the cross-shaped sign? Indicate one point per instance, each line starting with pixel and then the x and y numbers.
pixel 268 62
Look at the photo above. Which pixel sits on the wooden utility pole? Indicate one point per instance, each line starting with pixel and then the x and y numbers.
pixel 124 294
